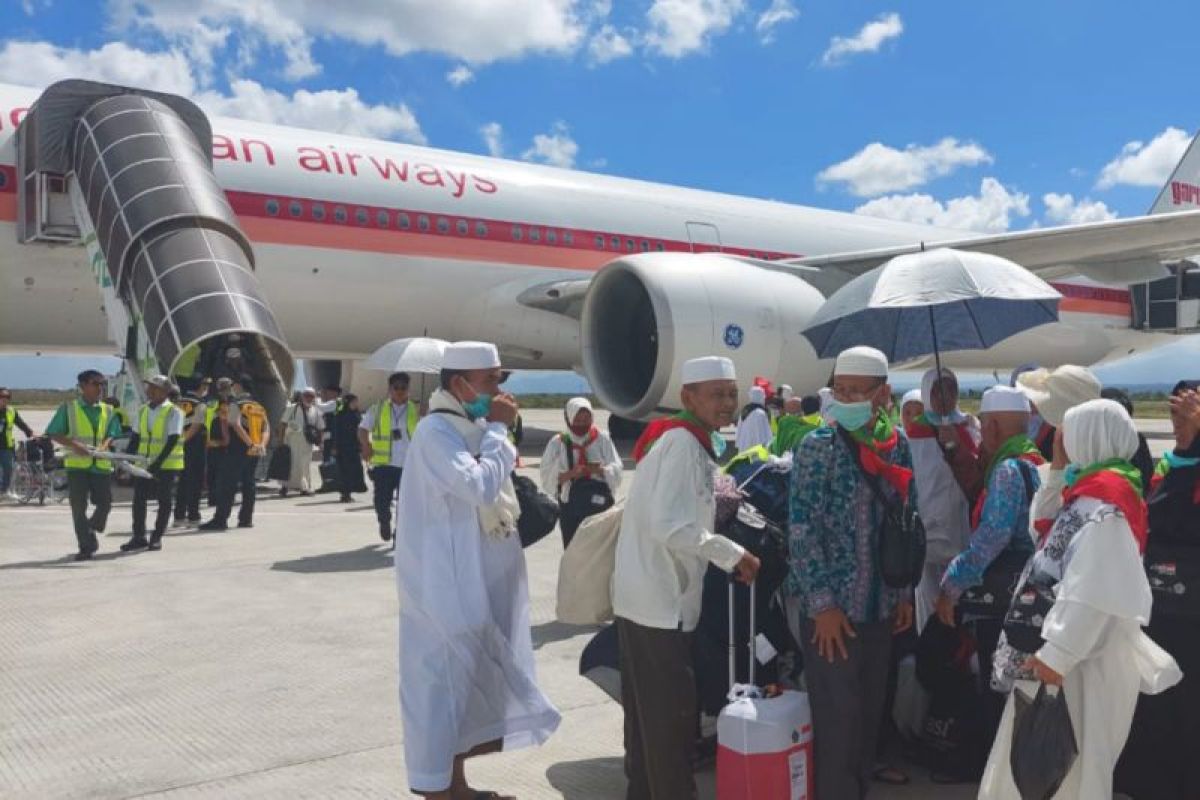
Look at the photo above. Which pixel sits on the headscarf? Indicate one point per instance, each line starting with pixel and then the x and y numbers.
pixel 956 416
pixel 757 396
pixel 785 392
pixel 574 406
pixel 913 396
pixel 1100 438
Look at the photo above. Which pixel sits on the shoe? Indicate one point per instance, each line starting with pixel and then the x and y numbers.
pixel 193 520
pixel 155 544
pixel 213 525
pixel 283 492
pixel 385 531
pixel 84 555
pixel 307 493
pixel 136 543
pixel 345 498
pixel 245 524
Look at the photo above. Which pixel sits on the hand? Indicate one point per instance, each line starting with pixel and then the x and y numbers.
pixel 1187 406
pixel 831 628
pixel 904 617
pixel 1043 673
pixel 79 448
pixel 504 409
pixel 1060 460
pixel 365 452
pixel 746 570
pixel 945 609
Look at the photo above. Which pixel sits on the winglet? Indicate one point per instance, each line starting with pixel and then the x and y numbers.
pixel 1182 189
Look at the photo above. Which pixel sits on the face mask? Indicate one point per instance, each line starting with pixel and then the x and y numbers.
pixel 479 406
pixel 718 443
pixel 851 416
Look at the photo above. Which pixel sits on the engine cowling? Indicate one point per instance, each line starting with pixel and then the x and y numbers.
pixel 645 314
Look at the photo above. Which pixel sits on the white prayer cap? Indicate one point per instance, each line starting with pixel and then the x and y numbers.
pixel 233 352
pixel 161 381
pixel 309 390
pixel 575 405
pixel 786 392
pixel 911 397
pixel 757 395
pixel 861 362
pixel 708 368
pixel 1055 392
pixel 1004 398
pixel 471 355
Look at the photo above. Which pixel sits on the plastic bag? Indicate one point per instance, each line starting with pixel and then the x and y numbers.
pixel 1043 743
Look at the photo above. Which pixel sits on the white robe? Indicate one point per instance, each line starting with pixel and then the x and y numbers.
pixel 754 430
pixel 300 477
pixel 466 652
pixel 1094 639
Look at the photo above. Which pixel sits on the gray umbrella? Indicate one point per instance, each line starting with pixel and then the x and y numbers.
pixel 931 302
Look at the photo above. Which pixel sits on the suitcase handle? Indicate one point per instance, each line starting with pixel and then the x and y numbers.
pixel 732 644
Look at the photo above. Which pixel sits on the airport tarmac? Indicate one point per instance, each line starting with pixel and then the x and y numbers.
pixel 260 663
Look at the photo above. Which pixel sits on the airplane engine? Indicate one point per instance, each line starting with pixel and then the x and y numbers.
pixel 645 314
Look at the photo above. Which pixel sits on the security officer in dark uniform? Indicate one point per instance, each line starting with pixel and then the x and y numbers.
pixel 198 416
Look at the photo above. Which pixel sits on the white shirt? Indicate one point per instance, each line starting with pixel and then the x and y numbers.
pixel 327 406
pixel 666 543
pixel 754 430
pixel 399 422
pixel 943 506
pixel 467 671
pixel 554 462
pixel 174 426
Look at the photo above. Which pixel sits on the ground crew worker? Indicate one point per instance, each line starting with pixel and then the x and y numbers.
pixel 383 436
pixel 10 420
pixel 78 425
pixel 156 437
pixel 217 440
pixel 249 435
pixel 198 416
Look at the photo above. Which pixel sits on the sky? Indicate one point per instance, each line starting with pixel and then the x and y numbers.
pixel 987 117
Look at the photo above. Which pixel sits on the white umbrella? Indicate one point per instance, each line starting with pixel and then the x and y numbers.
pixel 411 354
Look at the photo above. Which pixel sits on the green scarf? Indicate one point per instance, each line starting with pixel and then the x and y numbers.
pixel 791 430
pixel 1015 447
pixel 884 429
pixel 1118 465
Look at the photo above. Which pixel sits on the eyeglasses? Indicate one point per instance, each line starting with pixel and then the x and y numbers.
pixel 844 395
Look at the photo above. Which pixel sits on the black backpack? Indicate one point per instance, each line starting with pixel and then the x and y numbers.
pixel 539 512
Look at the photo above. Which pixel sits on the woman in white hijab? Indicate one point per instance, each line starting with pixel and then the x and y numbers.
pixel 580 468
pixel 1093 644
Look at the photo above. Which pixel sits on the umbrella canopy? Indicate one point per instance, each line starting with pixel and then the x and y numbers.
pixel 931 302
pixel 413 354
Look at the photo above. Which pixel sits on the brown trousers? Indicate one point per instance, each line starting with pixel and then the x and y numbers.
pixel 658 692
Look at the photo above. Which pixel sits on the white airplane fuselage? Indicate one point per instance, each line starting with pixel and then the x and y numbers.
pixel 358 242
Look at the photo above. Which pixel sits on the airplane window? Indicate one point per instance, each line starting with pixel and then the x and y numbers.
pixel 535 235
pixel 361 216
pixel 568 237
pixel 481 229
pixel 318 211
pixel 599 242
pixel 616 243
pixel 551 237
pixel 659 246
pixel 645 246
pixel 273 207
pixel 382 218
pixel 402 220
pixel 339 213
pixel 516 233
pixel 629 245
pixel 423 223
pixel 295 208
pixel 462 227
pixel 443 225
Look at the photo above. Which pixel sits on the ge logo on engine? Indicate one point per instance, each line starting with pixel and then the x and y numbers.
pixel 734 336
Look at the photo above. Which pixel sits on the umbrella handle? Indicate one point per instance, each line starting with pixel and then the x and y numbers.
pixel 937 356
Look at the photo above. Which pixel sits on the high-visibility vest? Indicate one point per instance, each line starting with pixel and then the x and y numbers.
pixel 80 427
pixel 10 420
pixel 123 416
pixel 151 441
pixel 381 434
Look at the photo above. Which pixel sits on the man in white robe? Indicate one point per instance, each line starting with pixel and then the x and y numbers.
pixel 754 428
pixel 467 682
pixel 297 418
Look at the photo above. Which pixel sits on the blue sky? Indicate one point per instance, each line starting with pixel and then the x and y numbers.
pixel 985 116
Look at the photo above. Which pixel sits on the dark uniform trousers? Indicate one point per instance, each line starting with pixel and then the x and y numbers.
pixel 212 472
pixel 387 481
pixel 237 471
pixel 81 485
pixel 191 480
pixel 162 488
pixel 658 693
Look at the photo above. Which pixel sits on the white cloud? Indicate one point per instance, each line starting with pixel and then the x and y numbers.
pixel 555 148
pixel 878 168
pixel 493 137
pixel 460 75
pixel 778 13
pixel 991 211
pixel 475 32
pixel 41 63
pixel 607 44
pixel 869 39
pixel 680 27
pixel 339 111
pixel 1064 209
pixel 1142 164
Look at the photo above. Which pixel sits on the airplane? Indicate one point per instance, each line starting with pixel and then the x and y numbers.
pixel 301 244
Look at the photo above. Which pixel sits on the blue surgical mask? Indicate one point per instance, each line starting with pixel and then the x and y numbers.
pixel 479 407
pixel 718 443
pixel 851 416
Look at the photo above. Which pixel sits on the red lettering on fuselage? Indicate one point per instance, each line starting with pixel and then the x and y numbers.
pixel 1185 193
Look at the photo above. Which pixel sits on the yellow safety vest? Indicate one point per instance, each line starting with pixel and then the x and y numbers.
pixel 10 437
pixel 381 435
pixel 80 427
pixel 150 442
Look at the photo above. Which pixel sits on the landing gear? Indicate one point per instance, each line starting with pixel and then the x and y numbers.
pixel 623 429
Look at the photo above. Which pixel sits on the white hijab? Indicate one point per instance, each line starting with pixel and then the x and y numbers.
pixel 1097 431
pixel 914 396
pixel 955 417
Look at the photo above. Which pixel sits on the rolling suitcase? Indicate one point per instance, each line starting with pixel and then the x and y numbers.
pixel 764 744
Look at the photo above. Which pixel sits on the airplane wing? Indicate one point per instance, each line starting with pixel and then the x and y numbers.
pixel 1122 251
